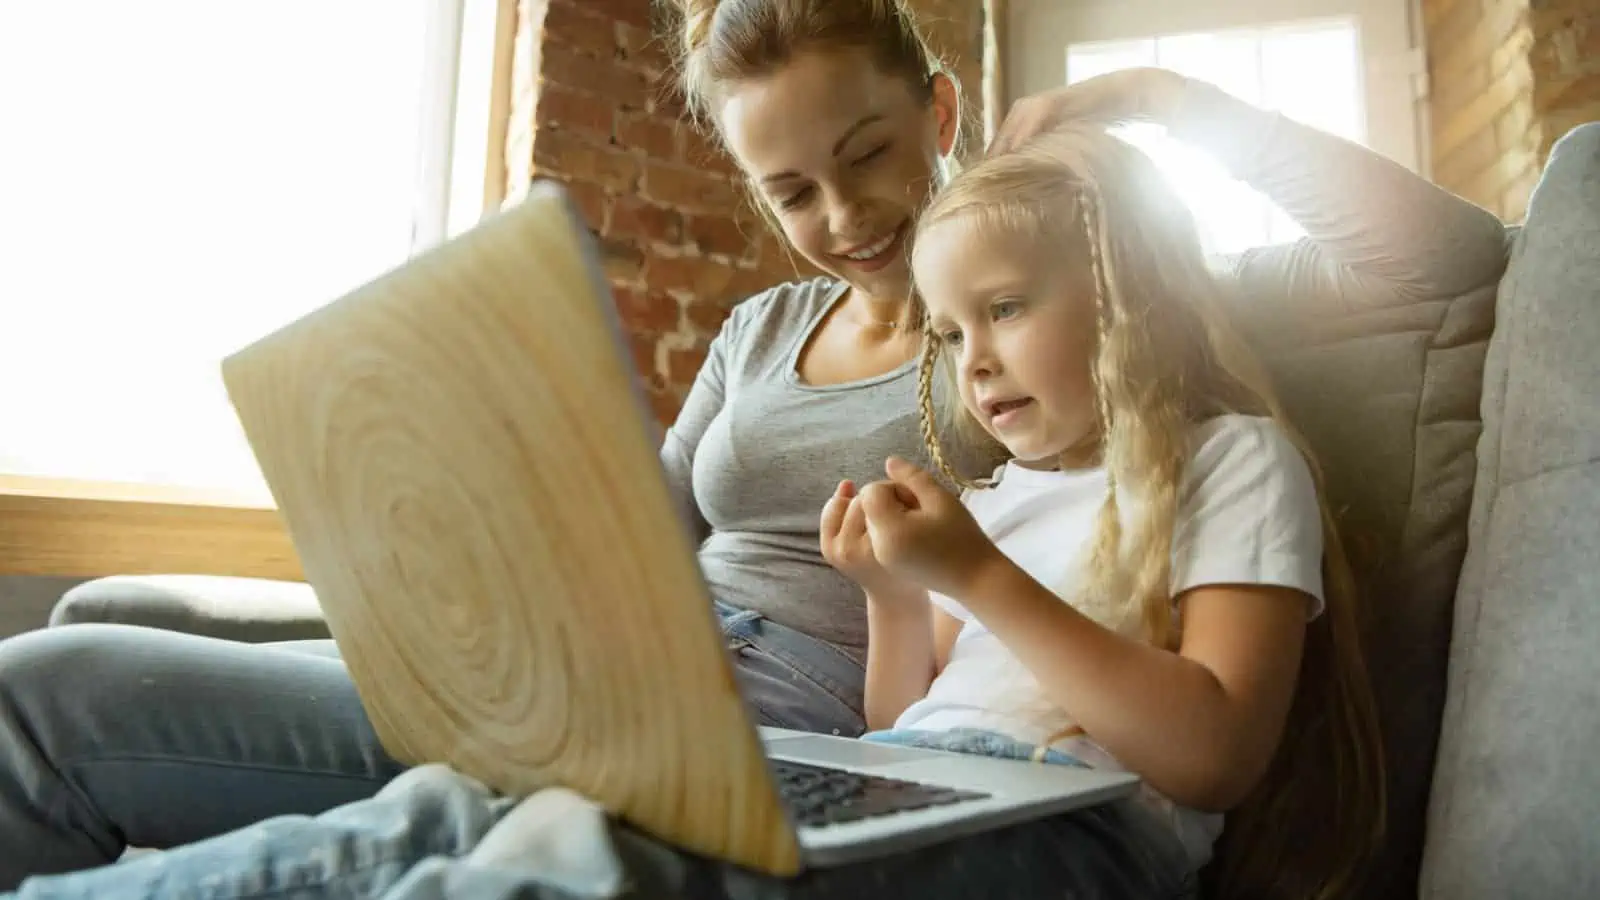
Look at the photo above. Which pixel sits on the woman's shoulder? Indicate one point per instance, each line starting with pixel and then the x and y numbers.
pixel 790 304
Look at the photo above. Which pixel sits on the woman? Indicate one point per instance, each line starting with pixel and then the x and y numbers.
pixel 114 736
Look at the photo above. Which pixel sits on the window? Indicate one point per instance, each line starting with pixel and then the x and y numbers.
pixel 1310 71
pixel 181 177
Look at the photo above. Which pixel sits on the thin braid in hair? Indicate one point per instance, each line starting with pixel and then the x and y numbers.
pixel 928 417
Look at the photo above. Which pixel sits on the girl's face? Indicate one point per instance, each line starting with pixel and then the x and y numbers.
pixel 844 156
pixel 1017 316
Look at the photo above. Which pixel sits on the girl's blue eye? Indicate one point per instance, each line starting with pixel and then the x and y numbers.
pixel 951 338
pixel 1005 309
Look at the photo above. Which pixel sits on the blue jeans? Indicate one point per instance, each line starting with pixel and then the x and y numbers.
pixel 114 736
pixel 416 840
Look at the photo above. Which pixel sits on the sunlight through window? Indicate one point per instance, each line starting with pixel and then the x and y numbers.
pixel 179 179
pixel 1308 71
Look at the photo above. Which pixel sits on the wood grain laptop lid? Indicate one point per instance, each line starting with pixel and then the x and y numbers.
pixel 465 464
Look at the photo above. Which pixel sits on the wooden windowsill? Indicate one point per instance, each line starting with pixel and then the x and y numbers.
pixel 54 526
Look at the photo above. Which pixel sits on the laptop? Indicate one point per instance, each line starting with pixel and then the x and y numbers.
pixel 463 456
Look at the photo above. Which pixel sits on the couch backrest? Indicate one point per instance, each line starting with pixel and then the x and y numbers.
pixel 1387 392
pixel 1516 795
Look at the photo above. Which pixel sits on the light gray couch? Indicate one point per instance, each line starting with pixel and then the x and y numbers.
pixel 1460 436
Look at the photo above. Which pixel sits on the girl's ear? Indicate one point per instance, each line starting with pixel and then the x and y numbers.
pixel 946 112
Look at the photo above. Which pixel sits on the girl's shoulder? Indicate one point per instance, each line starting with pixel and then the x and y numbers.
pixel 1253 458
pixel 1215 440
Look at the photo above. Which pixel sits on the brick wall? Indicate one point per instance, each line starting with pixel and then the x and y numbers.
pixel 592 105
pixel 1508 77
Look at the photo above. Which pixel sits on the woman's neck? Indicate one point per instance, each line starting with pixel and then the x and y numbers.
pixel 869 312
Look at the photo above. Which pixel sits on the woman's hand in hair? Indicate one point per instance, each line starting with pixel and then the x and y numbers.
pixel 1125 95
pixel 921 533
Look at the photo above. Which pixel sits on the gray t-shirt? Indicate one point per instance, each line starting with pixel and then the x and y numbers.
pixel 756 452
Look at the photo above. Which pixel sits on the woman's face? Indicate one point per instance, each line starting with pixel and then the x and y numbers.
pixel 844 156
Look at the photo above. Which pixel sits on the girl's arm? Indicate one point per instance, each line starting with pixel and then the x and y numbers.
pixel 908 643
pixel 1199 725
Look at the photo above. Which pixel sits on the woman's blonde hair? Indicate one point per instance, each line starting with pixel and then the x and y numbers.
pixel 1166 357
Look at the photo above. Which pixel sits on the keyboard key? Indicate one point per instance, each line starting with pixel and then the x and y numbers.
pixel 817 796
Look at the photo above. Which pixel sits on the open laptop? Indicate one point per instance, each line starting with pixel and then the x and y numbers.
pixel 463 456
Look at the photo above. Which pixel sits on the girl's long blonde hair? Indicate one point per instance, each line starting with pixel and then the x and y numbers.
pixel 1166 357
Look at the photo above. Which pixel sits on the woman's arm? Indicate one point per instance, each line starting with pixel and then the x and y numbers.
pixel 678 446
pixel 908 644
pixel 1375 231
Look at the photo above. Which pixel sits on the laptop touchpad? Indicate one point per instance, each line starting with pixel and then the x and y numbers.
pixel 838 751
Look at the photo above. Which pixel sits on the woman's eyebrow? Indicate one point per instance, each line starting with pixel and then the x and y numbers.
pixel 838 146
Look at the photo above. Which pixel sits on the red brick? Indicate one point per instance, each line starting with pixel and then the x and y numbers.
pixel 656 137
pixel 631 12
pixel 706 155
pixel 725 235
pixel 592 201
pixel 1514 129
pixel 684 365
pixel 667 100
pixel 632 217
pixel 1460 164
pixel 647 310
pixel 1553 95
pixel 1456 92
pixel 643 51
pixel 666 406
pixel 687 189
pixel 574 68
pixel 777 254
pixel 706 316
pixel 575 110
pixel 576 25
pixel 699 278
pixel 563 153
pixel 623 261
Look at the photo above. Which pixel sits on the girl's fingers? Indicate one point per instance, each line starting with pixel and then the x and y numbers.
pixel 833 512
pixel 854 525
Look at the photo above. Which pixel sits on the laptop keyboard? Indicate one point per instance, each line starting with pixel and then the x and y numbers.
pixel 818 796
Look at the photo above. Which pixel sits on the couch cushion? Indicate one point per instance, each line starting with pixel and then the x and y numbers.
pixel 1516 798
pixel 1386 391
pixel 254 610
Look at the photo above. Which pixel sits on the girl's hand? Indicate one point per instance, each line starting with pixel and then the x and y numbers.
pixel 920 532
pixel 1126 95
pixel 847 546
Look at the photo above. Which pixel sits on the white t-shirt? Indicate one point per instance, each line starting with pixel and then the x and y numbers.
pixel 1247 514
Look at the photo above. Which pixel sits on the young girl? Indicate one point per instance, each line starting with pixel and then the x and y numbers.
pixel 1133 586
